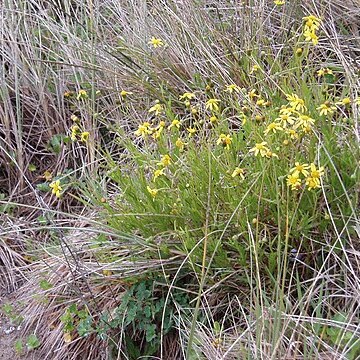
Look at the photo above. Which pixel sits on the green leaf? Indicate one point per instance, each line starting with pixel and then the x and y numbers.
pixel 32 167
pixel 43 187
pixel 32 342
pixel 45 285
pixel 18 347
pixel 150 332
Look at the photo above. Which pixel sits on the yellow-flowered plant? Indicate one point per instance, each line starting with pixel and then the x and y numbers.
pixel 225 141
pixel 143 129
pixel 165 160
pixel 324 71
pixel 152 192
pixel 191 131
pixel 311 25
pixel 84 136
pixel 175 124
pixel 260 148
pixel 157 109
pixel 296 103
pixel 187 96
pixel 56 188
pixel 212 105
pixel 157 173
pixel 238 172
pixel 232 88
pixel 273 127
pixel 326 108
pixel 156 42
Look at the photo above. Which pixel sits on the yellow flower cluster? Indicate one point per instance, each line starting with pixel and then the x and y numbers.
pixel 56 188
pixel 76 132
pixel 310 174
pixel 311 25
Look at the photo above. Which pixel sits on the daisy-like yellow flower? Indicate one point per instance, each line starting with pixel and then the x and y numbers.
pixel 293 134
pixel 75 130
pixel 225 141
pixel 156 42
pixel 285 110
pixel 261 102
pixel 157 173
pixel 180 144
pixel 326 108
pixel 324 71
pixel 82 94
pixel 212 104
pixel 232 88
pixel 272 127
pixel 143 129
pixel 312 183
pixel 293 181
pixel 187 96
pixel 312 22
pixel 304 121
pixel 345 101
pixel 316 173
pixel 270 154
pixel 279 2
pixel 260 148
pixel 252 94
pixel 157 109
pixel 285 120
pixel 238 172
pixel 300 169
pixel 165 161
pixel 311 36
pixel 124 93
pixel 191 131
pixel 254 69
pixel 56 188
pixel 296 103
pixel 152 192
pixel 175 124
pixel 84 136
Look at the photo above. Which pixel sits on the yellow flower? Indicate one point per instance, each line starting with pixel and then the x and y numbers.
pixel 324 71
pixel 270 154
pixel 296 103
pixel 165 160
pixel 273 127
pixel 156 109
pixel 56 188
pixel 260 148
pixel 293 134
pixel 279 2
pixel 47 175
pixel 180 144
pixel 254 69
pixel 300 169
pixel 175 123
pixel 311 36
pixel 261 102
pixel 294 181
pixel 239 172
pixel 75 119
pixel 316 173
pixel 225 140
pixel 143 129
pixel 304 121
pixel 152 192
pixel 84 137
pixel 74 132
pixel 124 93
pixel 212 104
pixel 191 131
pixel 287 110
pixel 285 120
pixel 312 22
pixel 187 96
pixel 345 101
pixel 312 183
pixel 156 42
pixel 231 88
pixel 82 94
pixel 252 94
pixel 158 173
pixel 299 51
pixel 326 108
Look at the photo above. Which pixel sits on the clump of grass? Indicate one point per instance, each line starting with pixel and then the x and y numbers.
pixel 222 149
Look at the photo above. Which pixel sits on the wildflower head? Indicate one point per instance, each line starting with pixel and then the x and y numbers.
pixel 56 188
pixel 165 160
pixel 124 93
pixel 296 103
pixel 143 129
pixel 212 105
pixel 294 181
pixel 326 108
pixel 300 169
pixel 260 148
pixel 191 131
pixel 180 144
pixel 84 136
pixel 175 124
pixel 238 172
pixel 157 109
pixel 324 71
pixel 273 127
pixel 82 94
pixel 187 96
pixel 225 141
pixel 156 42
pixel 232 88
pixel 152 192
pixel 157 173
pixel 311 36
